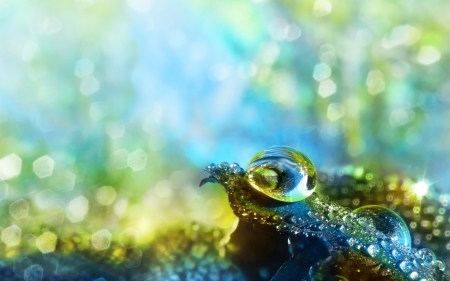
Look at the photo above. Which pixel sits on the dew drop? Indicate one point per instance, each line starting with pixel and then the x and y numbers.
pixel 352 241
pixel 414 275
pixel 427 256
pixel 397 254
pixel 236 169
pixel 373 250
pixel 282 173
pixel 386 244
pixel 440 265
pixel 406 266
pixel 387 222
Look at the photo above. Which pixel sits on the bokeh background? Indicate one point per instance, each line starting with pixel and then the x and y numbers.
pixel 109 110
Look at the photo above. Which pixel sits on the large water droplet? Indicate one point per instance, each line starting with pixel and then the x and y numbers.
pixel 282 173
pixel 387 222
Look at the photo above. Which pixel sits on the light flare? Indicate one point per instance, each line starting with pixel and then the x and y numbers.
pixel 420 188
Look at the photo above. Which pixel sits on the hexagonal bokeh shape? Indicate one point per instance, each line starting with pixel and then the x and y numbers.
pixel 3 190
pixel 11 235
pixel 77 209
pixel 20 266
pixel 19 209
pixel 43 166
pixel 46 242
pixel 101 239
pixel 33 273
pixel 106 195
pixel 10 167
pixel 45 199
pixel 129 238
pixel 137 160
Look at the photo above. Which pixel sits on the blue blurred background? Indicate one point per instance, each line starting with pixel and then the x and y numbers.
pixel 109 110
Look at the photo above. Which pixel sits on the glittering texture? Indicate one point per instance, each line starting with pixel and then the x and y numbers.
pixel 369 243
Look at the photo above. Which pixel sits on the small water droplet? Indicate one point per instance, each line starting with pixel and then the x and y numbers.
pixel 427 256
pixel 351 241
pixel 440 265
pixel 406 266
pixel 373 250
pixel 414 275
pixel 211 167
pixel 236 169
pixel 397 254
pixel 386 244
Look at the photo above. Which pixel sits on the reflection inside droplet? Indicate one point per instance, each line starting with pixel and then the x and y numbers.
pixel 387 222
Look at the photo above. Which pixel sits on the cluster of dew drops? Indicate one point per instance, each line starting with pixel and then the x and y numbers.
pixel 342 229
